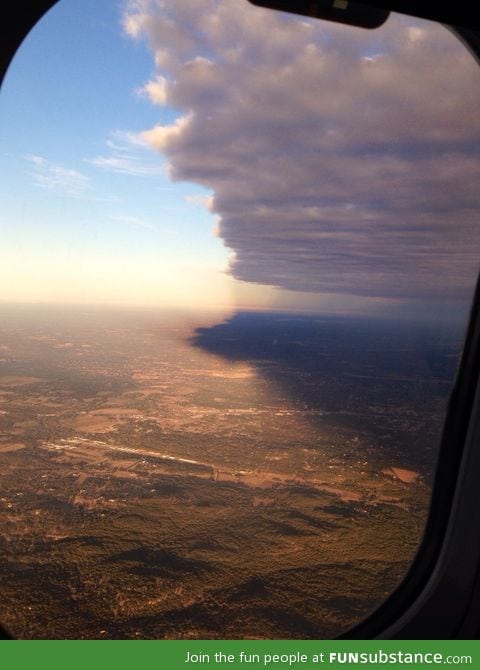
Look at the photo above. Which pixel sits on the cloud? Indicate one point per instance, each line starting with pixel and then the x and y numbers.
pixel 58 178
pixel 341 160
pixel 156 90
pixel 134 221
pixel 204 201
pixel 127 154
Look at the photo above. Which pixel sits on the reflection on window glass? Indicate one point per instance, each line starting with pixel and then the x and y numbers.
pixel 238 252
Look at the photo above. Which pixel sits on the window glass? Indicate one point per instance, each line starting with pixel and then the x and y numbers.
pixel 238 253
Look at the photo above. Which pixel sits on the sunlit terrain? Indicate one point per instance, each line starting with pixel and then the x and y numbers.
pixel 233 480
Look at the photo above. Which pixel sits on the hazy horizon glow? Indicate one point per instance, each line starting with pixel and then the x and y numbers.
pixel 218 155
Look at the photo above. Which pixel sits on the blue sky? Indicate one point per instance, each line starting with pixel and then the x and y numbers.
pixel 214 154
pixel 70 98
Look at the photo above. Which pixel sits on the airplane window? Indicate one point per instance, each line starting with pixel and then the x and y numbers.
pixel 238 254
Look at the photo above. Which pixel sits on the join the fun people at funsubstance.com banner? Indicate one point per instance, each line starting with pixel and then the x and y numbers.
pixel 186 654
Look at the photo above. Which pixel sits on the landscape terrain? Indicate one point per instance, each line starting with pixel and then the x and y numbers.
pixel 260 475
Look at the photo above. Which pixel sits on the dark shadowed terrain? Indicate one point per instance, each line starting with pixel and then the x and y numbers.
pixel 387 379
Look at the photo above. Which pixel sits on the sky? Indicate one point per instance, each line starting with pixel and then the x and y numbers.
pixel 208 153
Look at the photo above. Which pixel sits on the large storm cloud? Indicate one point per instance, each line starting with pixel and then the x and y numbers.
pixel 341 160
